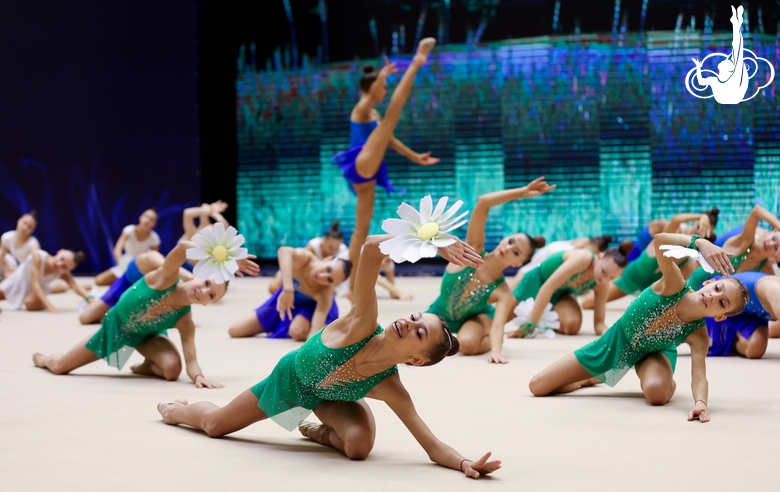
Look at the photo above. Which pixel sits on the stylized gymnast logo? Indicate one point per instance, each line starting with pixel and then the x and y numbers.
pixel 730 84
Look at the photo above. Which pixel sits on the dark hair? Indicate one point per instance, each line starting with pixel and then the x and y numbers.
pixel 601 242
pixel 32 213
pixel 368 78
pixel 744 297
pixel 536 242
pixel 334 232
pixel 620 253
pixel 79 257
pixel 449 345
pixel 713 216
pixel 347 267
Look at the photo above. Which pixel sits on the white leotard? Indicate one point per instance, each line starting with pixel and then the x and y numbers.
pixel 134 247
pixel 316 245
pixel 21 253
pixel 19 284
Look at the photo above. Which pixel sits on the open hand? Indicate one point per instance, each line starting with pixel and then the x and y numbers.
pixel 201 382
pixel 481 467
pixel 285 304
pixel 387 70
pixel 699 412
pixel 461 254
pixel 717 257
pixel 248 267
pixel 426 159
pixel 217 207
pixel 705 228
pixel 537 187
pixel 497 358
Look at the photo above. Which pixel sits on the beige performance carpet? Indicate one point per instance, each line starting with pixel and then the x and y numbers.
pixel 98 428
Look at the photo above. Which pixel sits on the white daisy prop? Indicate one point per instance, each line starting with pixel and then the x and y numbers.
pixel 674 251
pixel 547 322
pixel 420 234
pixel 217 252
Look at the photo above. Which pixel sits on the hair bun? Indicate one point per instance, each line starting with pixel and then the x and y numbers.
pixel 33 213
pixel 715 211
pixel 626 247
pixel 334 226
pixel 455 347
pixel 607 238
pixel 539 241
pixel 368 69
pixel 79 257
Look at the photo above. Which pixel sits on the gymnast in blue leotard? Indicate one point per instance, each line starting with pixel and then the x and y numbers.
pixel 363 164
pixel 747 333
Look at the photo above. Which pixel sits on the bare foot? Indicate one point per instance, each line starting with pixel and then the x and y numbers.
pixel 402 296
pixel 305 426
pixel 143 369
pixel 39 360
pixel 590 382
pixel 165 409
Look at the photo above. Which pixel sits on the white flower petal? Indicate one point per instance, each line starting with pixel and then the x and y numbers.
pixel 203 269
pixel 229 236
pixel 412 252
pixel 231 266
pixel 219 232
pixel 396 227
pixel 409 214
pixel 454 226
pixel 388 246
pixel 239 253
pixel 440 206
pixel 428 250
pixel 201 241
pixel 443 240
pixel 397 254
pixel 426 206
pixel 217 275
pixel 196 254
pixel 448 224
pixel 209 235
pixel 449 213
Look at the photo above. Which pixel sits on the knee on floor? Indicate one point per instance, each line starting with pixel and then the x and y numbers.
pixel 171 367
pixel 657 392
pixel 358 443
pixel 469 345
pixel 755 351
pixel 536 386
pixel 570 325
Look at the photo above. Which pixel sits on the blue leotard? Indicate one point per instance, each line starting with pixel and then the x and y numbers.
pixel 359 133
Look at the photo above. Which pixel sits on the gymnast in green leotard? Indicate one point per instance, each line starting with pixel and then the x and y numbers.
pixel 642 272
pixel 334 370
pixel 665 315
pixel 752 250
pixel 467 293
pixel 140 320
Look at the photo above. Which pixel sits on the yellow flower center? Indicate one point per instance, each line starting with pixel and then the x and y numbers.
pixel 219 253
pixel 428 231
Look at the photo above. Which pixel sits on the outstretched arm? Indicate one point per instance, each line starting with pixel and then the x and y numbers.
pixel 324 303
pixel 506 302
pixel 578 260
pixel 475 235
pixel 190 214
pixel 392 392
pixel 68 278
pixel 699 342
pixel 756 215
pixel 703 219
pixel 186 328
pixel 422 159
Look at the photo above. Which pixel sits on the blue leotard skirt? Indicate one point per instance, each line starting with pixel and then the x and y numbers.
pixel 269 319
pixel 346 161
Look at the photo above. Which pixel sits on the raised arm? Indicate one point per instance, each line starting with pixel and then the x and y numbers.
pixel 186 328
pixel 756 215
pixel 673 280
pixel 475 235
pixel 188 218
pixel 674 225
pixel 699 342
pixel 392 392
pixel 168 273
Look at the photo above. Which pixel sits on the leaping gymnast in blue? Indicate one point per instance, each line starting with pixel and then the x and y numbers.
pixel 363 164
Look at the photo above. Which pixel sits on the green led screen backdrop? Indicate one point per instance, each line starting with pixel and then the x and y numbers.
pixel 609 121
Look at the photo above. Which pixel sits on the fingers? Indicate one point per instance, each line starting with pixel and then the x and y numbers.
pixel 482 460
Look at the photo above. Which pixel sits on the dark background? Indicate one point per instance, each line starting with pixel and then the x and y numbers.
pixel 109 107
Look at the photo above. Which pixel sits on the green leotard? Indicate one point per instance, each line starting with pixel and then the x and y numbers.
pixel 641 274
pixel 140 313
pixel 535 278
pixel 650 324
pixel 456 308
pixel 700 275
pixel 312 374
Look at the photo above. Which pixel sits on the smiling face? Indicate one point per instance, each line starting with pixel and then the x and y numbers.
pixel 26 225
pixel 606 270
pixel 416 336
pixel 770 245
pixel 328 273
pixel 330 246
pixel 720 297
pixel 64 260
pixel 148 220
pixel 204 292
pixel 515 250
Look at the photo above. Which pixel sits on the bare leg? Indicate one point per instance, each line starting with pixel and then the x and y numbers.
pixel 247 326
pixel 94 312
pixel 62 364
pixel 564 376
pixel 347 426
pixel 474 335
pixel 755 346
pixel 364 210
pixel 32 303
pixel 214 420
pixel 590 298
pixel 569 315
pixel 300 328
pixel 105 278
pixel 394 291
pixel 774 329
pixel 162 359
pixel 58 286
pixel 657 379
